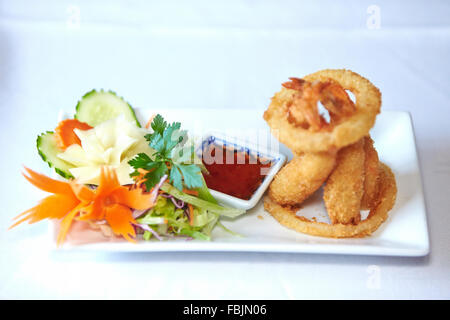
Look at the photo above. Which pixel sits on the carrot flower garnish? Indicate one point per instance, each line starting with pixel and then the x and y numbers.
pixel 70 200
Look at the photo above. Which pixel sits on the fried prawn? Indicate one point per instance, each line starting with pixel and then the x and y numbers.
pixel 301 177
pixel 371 174
pixel 345 186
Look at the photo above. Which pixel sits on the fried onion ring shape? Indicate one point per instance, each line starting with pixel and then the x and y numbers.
pixel 378 214
pixel 372 175
pixel 301 177
pixel 304 110
pixel 344 188
pixel 348 131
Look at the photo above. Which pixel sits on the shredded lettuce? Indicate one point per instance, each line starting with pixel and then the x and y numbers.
pixel 167 220
pixel 212 207
pixel 204 194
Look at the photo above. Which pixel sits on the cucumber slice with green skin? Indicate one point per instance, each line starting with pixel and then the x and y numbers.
pixel 96 107
pixel 48 150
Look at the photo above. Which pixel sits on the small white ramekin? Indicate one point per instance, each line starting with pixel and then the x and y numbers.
pixel 277 159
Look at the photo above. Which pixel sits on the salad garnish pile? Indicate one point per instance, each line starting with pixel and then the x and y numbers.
pixel 140 183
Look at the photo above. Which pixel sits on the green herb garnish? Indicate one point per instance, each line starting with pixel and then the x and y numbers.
pixel 171 157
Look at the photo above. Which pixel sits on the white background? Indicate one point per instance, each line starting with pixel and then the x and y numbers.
pixel 217 54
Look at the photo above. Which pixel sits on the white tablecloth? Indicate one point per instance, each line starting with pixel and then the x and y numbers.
pixel 225 54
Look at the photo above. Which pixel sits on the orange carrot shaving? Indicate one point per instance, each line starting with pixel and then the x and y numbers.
pixel 139 180
pixel 191 214
pixel 93 211
pixel 149 122
pixel 66 222
pixel 82 192
pixel 64 134
pixel 47 184
pixel 120 219
pixel 70 200
pixel 142 171
pixel 133 198
pixel 191 192
pixel 108 182
pixel 55 206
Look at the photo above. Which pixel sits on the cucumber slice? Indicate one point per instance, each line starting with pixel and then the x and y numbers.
pixel 96 107
pixel 48 150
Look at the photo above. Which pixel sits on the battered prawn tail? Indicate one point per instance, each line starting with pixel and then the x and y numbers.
pixel 304 111
pixel 301 177
pixel 345 186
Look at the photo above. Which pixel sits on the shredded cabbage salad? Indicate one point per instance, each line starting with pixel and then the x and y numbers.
pixel 177 214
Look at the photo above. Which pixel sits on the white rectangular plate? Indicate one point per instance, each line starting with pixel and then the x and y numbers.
pixel 403 234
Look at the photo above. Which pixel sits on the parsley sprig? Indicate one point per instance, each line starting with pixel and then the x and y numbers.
pixel 171 157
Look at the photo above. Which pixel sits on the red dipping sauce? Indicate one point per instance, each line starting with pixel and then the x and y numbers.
pixel 233 172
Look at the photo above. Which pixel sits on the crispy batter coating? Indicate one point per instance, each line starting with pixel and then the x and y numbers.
pixel 301 177
pixel 358 181
pixel 345 186
pixel 379 213
pixel 372 175
pixel 349 128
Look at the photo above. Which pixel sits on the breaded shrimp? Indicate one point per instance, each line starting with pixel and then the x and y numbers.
pixel 301 177
pixel 372 175
pixel 345 186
